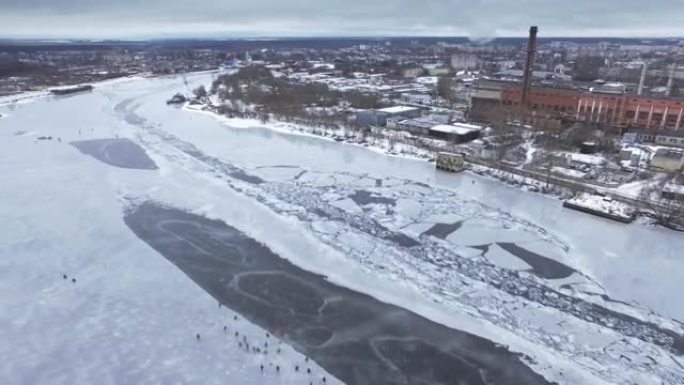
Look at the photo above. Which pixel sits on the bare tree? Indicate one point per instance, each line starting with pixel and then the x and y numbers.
pixel 200 92
pixel 445 89
pixel 391 143
pixel 503 136
pixel 549 137
pixel 667 210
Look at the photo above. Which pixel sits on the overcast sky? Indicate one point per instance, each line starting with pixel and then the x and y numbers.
pixel 281 18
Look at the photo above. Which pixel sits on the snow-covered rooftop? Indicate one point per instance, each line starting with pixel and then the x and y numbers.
pixel 467 125
pixel 397 109
pixel 595 160
pixel 418 122
pixel 456 128
pixel 427 80
pixel 569 172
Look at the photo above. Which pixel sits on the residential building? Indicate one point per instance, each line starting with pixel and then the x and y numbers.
pixel 670 138
pixel 413 72
pixel 425 99
pixel 463 61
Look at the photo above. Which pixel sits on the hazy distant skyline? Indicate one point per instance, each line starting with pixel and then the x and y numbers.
pixel 136 19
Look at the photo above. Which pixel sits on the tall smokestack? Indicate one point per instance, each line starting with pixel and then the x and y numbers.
pixel 529 65
pixel 668 88
pixel 642 79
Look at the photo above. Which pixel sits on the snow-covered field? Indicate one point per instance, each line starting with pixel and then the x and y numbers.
pixel 585 301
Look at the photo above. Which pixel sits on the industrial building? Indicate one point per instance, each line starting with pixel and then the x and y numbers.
pixel 456 132
pixel 670 138
pixel 666 159
pixel 599 103
pixel 379 117
pixel 611 109
pixel 416 98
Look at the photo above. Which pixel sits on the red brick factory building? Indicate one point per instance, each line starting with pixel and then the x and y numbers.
pixel 595 103
pixel 605 108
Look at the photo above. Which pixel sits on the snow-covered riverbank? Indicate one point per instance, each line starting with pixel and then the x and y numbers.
pixel 383 146
pixel 387 147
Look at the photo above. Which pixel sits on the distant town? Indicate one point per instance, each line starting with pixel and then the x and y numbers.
pixel 598 122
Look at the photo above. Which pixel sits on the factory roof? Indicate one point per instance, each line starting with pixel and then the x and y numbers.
pixel 422 123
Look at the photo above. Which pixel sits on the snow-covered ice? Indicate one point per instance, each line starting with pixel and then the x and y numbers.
pixel 601 204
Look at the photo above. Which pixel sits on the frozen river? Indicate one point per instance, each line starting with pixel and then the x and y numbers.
pixel 632 262
pixel 583 300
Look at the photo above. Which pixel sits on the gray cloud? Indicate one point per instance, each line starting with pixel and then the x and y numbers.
pixel 225 18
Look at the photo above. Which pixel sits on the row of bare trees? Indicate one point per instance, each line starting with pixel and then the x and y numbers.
pixel 667 210
pixel 256 85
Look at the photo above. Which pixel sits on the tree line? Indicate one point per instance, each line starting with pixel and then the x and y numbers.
pixel 256 85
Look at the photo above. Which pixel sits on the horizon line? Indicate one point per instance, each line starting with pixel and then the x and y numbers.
pixel 320 37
